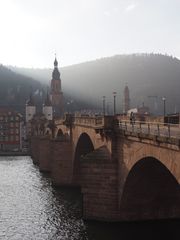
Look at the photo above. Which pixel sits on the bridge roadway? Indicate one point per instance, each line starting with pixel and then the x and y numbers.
pixel 126 171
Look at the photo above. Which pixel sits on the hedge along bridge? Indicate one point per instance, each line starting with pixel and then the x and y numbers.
pixel 126 171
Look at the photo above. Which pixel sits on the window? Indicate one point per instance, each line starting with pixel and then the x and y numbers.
pixel 17 138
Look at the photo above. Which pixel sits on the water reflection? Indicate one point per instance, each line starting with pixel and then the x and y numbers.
pixel 132 231
pixel 30 208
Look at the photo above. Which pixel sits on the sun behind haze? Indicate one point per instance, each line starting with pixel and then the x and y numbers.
pixel 81 30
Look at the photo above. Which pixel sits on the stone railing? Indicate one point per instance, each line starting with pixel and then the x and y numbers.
pixel 94 121
pixel 151 128
pixel 91 121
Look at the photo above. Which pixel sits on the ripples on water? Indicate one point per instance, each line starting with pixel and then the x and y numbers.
pixel 30 208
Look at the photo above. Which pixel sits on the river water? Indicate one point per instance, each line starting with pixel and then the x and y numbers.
pixel 31 209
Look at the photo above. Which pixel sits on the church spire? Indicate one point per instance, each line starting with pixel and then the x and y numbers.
pixel 56 73
pixel 55 62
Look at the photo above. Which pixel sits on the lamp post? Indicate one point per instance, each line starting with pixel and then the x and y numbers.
pixel 104 101
pixel 69 106
pixel 164 107
pixel 68 103
pixel 114 94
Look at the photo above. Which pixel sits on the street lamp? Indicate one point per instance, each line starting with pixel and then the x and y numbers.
pixel 104 101
pixel 69 106
pixel 114 93
pixel 164 106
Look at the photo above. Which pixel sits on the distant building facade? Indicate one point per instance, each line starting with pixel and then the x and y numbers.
pixel 139 113
pixel 11 130
pixel 56 94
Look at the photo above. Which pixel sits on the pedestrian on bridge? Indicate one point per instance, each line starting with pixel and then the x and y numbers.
pixel 132 118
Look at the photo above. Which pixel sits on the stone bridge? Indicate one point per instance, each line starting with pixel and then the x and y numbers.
pixel 125 172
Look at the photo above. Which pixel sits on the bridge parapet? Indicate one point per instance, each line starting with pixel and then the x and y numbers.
pixel 91 121
pixel 96 122
pixel 85 120
pixel 170 131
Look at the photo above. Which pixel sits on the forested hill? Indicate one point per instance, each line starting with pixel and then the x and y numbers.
pixel 15 88
pixel 147 75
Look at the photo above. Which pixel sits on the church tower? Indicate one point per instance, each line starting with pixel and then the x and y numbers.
pixel 126 99
pixel 56 92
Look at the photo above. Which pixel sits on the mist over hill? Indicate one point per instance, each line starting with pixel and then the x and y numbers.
pixel 149 77
pixel 15 89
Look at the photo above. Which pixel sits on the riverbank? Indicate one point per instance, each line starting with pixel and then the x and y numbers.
pixel 9 153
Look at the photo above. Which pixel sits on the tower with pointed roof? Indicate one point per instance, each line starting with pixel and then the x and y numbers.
pixel 56 94
pixel 126 99
pixel 30 108
pixel 47 108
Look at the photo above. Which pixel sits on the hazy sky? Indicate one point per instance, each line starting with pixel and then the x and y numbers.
pixel 31 31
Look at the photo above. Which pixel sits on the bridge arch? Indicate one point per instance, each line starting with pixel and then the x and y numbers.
pixel 62 133
pixel 83 147
pixel 150 191
pixel 59 133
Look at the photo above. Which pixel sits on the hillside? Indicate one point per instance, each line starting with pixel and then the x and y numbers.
pixel 15 89
pixel 146 75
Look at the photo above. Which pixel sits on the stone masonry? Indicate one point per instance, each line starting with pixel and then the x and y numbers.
pixel 125 177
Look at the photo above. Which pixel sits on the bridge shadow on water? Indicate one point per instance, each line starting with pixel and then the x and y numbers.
pixel 149 230
pixel 95 230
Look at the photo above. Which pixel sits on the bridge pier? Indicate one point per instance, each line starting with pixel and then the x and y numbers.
pixel 44 154
pixel 61 167
pixel 40 152
pixel 34 149
pixel 54 156
pixel 99 179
